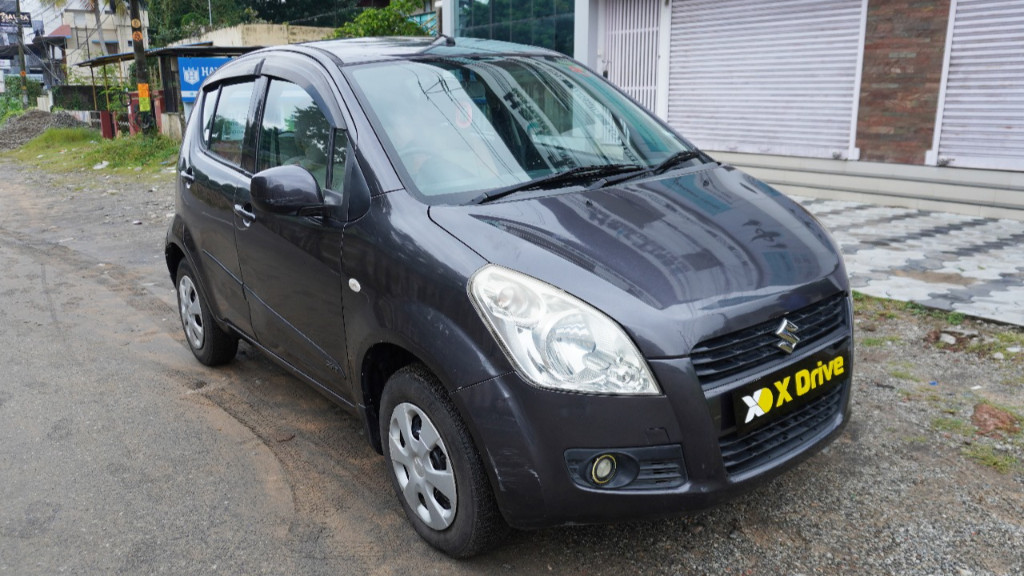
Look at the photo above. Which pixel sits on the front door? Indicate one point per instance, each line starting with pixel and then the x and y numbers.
pixel 291 264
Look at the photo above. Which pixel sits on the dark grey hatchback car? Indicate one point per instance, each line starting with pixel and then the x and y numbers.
pixel 547 307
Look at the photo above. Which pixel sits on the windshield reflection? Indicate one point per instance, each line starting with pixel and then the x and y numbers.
pixel 461 125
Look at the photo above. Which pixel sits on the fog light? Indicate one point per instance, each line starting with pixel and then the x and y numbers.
pixel 603 469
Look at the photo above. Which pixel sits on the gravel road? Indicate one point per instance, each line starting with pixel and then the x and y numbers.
pixel 912 486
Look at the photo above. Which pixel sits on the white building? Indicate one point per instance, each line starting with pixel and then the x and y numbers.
pixel 918 102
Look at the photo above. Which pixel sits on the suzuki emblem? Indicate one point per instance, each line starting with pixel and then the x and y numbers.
pixel 788 338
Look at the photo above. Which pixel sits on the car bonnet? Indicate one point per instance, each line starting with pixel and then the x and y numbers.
pixel 672 259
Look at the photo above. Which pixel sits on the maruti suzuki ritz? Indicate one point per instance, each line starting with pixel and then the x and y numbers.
pixel 546 306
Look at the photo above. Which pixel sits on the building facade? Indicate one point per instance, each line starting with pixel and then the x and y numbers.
pixel 920 101
pixel 68 35
pixel 31 29
pixel 86 40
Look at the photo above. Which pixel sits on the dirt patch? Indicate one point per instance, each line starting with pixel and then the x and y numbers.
pixel 992 421
pixel 934 277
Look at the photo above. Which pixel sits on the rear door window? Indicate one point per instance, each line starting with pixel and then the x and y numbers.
pixel 227 132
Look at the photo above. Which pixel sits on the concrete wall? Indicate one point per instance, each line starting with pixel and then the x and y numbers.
pixel 986 193
pixel 261 35
pixel 172 125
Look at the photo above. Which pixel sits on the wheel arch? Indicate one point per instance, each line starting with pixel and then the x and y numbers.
pixel 173 255
pixel 379 363
pixel 457 350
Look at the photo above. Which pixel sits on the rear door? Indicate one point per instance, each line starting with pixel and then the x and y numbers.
pixel 291 263
pixel 215 171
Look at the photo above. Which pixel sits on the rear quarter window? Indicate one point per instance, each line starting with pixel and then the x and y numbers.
pixel 227 127
pixel 209 104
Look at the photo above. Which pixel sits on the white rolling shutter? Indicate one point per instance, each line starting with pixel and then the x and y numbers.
pixel 980 123
pixel 780 77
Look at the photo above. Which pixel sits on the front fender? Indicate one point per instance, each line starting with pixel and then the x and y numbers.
pixel 405 284
pixel 459 351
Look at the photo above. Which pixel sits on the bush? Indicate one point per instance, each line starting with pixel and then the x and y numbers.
pixel 71 149
pixel 35 88
pixel 9 106
pixel 75 97
pixel 392 20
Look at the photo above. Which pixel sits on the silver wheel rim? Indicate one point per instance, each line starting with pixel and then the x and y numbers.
pixel 422 466
pixel 191 312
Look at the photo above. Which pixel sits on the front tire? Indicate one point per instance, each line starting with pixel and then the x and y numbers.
pixel 434 466
pixel 209 343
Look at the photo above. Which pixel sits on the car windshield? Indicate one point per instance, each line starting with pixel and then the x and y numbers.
pixel 456 127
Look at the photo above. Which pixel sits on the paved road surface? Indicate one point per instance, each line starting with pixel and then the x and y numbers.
pixel 119 454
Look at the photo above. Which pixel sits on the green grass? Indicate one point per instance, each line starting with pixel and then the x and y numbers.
pixel 70 149
pixel 952 318
pixel 876 342
pixel 1000 342
pixel 61 137
pixel 952 425
pixel 870 307
pixel 915 308
pixel 988 456
pixel 903 371
pixel 955 318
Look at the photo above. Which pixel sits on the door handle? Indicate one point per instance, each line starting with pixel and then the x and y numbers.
pixel 187 177
pixel 245 213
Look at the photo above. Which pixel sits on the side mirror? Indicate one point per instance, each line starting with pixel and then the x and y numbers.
pixel 286 189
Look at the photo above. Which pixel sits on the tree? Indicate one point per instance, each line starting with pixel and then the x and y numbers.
pixel 392 20
pixel 304 12
pixel 172 20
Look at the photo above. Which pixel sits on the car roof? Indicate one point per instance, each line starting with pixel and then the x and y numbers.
pixel 359 50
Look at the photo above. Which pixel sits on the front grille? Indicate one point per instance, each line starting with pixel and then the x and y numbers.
pixel 756 448
pixel 659 474
pixel 757 347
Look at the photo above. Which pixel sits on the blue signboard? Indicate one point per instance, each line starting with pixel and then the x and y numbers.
pixel 192 72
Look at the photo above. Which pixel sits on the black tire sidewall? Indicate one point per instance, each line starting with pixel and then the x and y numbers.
pixel 475 516
pixel 217 347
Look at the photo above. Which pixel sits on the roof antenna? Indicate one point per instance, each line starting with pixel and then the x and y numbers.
pixel 448 40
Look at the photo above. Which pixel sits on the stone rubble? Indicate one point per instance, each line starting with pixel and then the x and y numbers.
pixel 20 129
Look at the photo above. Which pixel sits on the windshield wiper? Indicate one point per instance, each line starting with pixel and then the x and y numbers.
pixel 568 176
pixel 659 168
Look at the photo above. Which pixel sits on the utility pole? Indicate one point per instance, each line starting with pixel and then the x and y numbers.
pixel 145 111
pixel 21 56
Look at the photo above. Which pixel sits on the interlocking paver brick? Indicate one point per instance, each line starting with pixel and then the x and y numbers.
pixel 948 261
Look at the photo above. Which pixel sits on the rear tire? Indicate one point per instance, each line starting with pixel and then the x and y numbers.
pixel 435 468
pixel 209 343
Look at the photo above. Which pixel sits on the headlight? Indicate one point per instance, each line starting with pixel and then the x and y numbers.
pixel 554 339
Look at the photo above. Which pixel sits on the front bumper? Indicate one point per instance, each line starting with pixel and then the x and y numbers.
pixel 537 443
